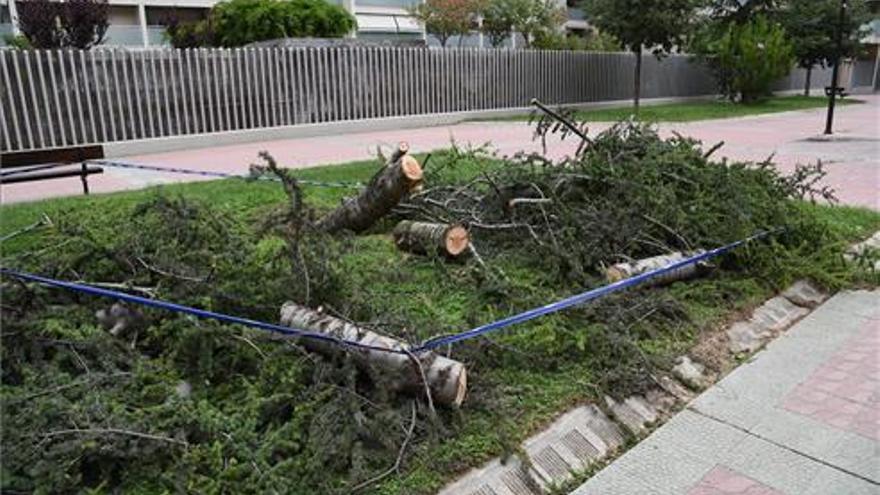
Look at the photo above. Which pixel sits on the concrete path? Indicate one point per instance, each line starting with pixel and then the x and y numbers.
pixel 853 159
pixel 801 418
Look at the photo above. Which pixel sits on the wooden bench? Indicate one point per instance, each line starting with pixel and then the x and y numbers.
pixel 30 166
pixel 841 92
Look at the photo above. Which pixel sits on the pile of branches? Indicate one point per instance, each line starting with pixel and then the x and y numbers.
pixel 625 195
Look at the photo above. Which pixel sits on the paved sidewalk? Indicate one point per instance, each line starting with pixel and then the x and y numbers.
pixel 853 159
pixel 801 418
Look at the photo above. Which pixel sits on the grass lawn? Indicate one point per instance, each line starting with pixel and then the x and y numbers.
pixel 705 110
pixel 243 381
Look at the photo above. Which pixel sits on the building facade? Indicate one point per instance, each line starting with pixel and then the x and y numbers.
pixel 141 23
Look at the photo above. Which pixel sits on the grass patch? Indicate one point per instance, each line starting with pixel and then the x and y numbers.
pixel 704 110
pixel 263 416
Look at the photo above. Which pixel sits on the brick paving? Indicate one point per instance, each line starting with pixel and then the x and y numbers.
pixel 844 392
pixel 801 417
pixel 725 481
pixel 852 161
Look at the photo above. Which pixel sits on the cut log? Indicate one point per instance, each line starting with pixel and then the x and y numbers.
pixel 399 177
pixel 429 238
pixel 446 378
pixel 621 271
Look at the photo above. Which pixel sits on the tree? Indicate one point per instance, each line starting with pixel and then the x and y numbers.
pixel 533 19
pixel 447 18
pixel 84 22
pixel 812 27
pixel 748 58
pixel 656 25
pixel 70 24
pixel 742 11
pixel 497 21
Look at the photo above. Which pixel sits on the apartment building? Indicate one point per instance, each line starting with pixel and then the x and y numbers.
pixel 140 23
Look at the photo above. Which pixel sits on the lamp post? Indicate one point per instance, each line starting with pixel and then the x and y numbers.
pixel 829 120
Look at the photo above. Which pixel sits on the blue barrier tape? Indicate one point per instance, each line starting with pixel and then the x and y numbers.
pixel 201 313
pixel 583 297
pixel 207 173
pixel 426 346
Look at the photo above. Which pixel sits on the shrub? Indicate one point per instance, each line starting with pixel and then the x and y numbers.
pixel 748 58
pixel 595 41
pixel 239 22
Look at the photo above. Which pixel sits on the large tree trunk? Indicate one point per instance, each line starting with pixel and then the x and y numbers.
pixel 429 238
pixel 401 175
pixel 621 271
pixel 446 378
pixel 637 78
pixel 807 83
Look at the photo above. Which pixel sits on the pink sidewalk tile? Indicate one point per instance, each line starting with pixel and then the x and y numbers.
pixel 844 392
pixel 724 481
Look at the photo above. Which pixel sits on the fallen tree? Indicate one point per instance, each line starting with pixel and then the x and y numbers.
pixel 450 240
pixel 446 379
pixel 400 176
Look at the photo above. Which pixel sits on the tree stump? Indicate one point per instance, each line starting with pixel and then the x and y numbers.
pixel 621 271
pixel 426 238
pixel 399 177
pixel 444 377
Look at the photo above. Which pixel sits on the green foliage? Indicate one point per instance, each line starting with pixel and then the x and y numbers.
pixel 658 25
pixel 19 42
pixel 187 405
pixel 748 58
pixel 594 41
pixel 533 19
pixel 447 18
pixel 239 22
pixel 812 27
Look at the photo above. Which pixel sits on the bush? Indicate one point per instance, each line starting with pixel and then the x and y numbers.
pixel 748 58
pixel 239 22
pixel 595 41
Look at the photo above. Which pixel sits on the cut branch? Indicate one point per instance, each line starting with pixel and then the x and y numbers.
pixel 621 271
pixel 400 176
pixel 446 378
pixel 425 238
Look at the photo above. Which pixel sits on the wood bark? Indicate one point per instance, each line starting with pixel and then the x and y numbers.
pixel 808 82
pixel 444 377
pixel 427 238
pixel 400 176
pixel 637 79
pixel 621 271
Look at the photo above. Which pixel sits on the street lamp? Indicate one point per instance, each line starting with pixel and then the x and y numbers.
pixel 832 94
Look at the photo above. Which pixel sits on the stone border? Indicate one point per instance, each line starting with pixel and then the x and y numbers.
pixel 585 436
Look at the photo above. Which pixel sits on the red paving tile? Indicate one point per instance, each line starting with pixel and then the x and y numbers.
pixel 725 481
pixel 844 392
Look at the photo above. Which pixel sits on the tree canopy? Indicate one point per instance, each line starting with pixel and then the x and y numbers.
pixel 812 27
pixel 49 24
pixel 656 25
pixel 447 18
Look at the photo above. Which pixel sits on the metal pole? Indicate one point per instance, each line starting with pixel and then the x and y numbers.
pixel 829 120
